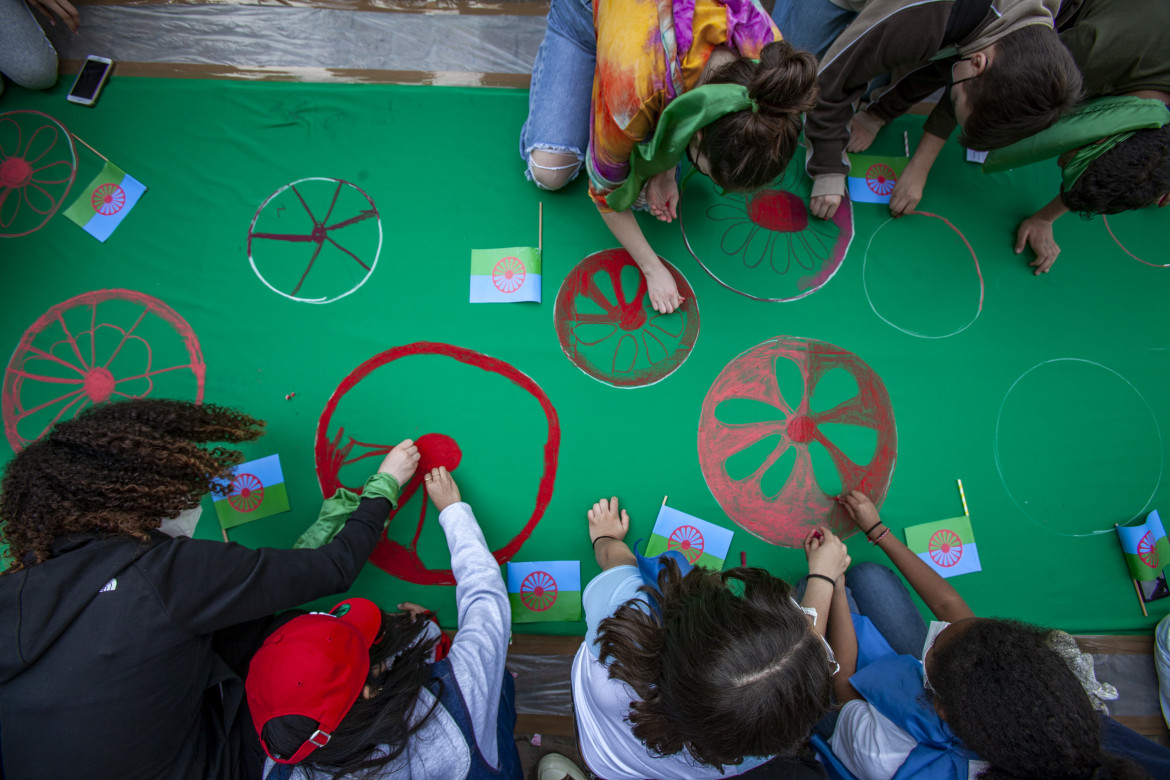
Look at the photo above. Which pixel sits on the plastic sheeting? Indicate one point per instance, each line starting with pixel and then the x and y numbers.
pixel 542 683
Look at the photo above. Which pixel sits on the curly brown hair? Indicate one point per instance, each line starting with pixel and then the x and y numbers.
pixel 118 467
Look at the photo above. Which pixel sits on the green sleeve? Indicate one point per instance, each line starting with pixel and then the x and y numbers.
pixel 335 511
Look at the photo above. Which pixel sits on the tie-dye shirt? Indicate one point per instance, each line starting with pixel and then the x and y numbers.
pixel 649 52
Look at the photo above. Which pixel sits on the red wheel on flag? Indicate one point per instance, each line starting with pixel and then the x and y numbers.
pixel 247 493
pixel 945 547
pixel 92 348
pixel 881 179
pixel 508 275
pixel 793 425
pixel 1147 550
pixel 38 162
pixel 614 335
pixel 688 540
pixel 538 591
pixel 108 199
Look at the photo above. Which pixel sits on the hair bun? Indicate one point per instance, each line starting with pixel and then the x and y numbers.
pixel 785 81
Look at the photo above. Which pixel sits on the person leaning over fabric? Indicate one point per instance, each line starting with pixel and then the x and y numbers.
pixel 1006 73
pixel 633 87
pixel 701 675
pixel 991 698
pixel 110 667
pixel 359 693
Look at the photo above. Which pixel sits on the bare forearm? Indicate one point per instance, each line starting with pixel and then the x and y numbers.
pixel 625 228
pixel 843 640
pixel 612 553
pixel 927 150
pixel 818 594
pixel 940 597
pixel 1053 211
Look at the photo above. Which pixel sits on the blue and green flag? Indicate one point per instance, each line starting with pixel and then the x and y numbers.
pixel 106 201
pixel 701 543
pixel 257 491
pixel 510 275
pixel 947 546
pixel 544 591
pixel 872 178
pixel 1146 548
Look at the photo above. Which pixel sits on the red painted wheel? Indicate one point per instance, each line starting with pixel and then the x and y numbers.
pixel 538 591
pixel 108 199
pixel 91 348
pixel 508 274
pixel 688 540
pixel 881 179
pixel 335 448
pixel 786 516
pixel 247 493
pixel 945 548
pixel 1147 551
pixel 612 333
pixel 38 163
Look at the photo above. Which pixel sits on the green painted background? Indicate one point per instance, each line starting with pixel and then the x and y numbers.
pixel 1078 446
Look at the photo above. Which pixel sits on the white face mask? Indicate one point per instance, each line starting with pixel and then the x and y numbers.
pixel 183 525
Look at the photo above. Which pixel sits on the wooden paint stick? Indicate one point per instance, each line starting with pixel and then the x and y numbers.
pixel 1141 601
pixel 743 558
pixel 77 138
pixel 906 141
pixel 963 498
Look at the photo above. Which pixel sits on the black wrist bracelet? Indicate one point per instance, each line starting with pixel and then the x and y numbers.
pixel 824 577
pixel 604 536
pixel 875 525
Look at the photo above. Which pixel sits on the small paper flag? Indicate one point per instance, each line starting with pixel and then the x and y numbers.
pixel 701 543
pixel 1146 548
pixel 106 201
pixel 544 591
pixel 947 546
pixel 257 491
pixel 872 178
pixel 510 275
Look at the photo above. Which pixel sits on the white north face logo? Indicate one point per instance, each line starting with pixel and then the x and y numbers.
pixel 111 585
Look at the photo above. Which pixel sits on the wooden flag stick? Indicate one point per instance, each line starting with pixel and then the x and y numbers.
pixel 1141 601
pixel 963 497
pixel 540 228
pixel 664 500
pixel 77 138
pixel 225 536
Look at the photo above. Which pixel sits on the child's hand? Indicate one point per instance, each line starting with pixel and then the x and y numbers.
pixel 1037 233
pixel 441 488
pixel 414 610
pixel 826 553
pixel 860 138
pixel 606 520
pixel 861 509
pixel 908 189
pixel 824 206
pixel 401 462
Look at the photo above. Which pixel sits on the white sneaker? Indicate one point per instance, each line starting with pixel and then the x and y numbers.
pixel 554 766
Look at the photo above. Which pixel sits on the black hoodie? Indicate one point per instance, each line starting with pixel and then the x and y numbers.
pixel 106 665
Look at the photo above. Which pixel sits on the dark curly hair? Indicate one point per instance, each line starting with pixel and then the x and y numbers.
pixel 118 467
pixel 1031 82
pixel 748 150
pixel 381 720
pixel 731 667
pixel 1015 702
pixel 1132 175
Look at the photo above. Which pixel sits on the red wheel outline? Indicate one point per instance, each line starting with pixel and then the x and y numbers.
pixel 247 492
pixel 633 322
pixel 688 540
pixel 393 557
pixel 801 505
pixel 116 195
pixel 15 375
pixel 6 192
pixel 945 548
pixel 1123 248
pixel 881 179
pixel 504 282
pixel 1148 550
pixel 535 590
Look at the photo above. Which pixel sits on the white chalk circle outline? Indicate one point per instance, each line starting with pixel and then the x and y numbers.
pixel 978 273
pixel 352 290
pixel 1138 393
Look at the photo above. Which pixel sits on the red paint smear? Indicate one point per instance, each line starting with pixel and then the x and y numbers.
pixel 1121 246
pixel 96 384
pixel 801 504
pixel 393 557
pixel 778 210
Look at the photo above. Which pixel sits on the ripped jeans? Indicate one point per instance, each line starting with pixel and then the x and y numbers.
pixel 561 96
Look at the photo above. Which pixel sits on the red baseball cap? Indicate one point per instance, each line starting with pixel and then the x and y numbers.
pixel 315 665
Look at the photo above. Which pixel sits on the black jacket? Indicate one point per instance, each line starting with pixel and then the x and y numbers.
pixel 106 664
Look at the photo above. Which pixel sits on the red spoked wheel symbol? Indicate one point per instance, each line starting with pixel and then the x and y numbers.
pixel 95 347
pixel 786 516
pixel 1147 550
pixel 614 335
pixel 688 540
pixel 881 179
pixel 38 163
pixel 538 591
pixel 333 451
pixel 945 547
pixel 247 493
pixel 508 274
pixel 108 199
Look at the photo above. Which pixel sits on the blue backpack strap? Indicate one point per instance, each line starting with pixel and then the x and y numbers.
pixel 833 766
pixel 446 689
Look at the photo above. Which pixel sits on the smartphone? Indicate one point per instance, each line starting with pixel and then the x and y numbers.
pixel 89 82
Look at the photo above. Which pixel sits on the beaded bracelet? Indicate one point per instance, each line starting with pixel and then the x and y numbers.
pixel 824 577
pixel 881 536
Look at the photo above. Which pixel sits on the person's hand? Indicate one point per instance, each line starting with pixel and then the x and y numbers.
pixel 662 196
pixel 860 509
pixel 62 9
pixel 401 462
pixel 605 519
pixel 908 190
pixel 860 137
pixel 664 297
pixel 827 554
pixel 441 488
pixel 414 610
pixel 1036 233
pixel 824 206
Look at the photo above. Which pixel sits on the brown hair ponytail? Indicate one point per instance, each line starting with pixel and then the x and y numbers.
pixel 749 149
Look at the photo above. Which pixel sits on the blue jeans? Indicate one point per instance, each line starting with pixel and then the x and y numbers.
pixel 811 25
pixel 562 86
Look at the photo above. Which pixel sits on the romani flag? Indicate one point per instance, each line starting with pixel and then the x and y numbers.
pixel 510 275
pixel 872 178
pixel 701 543
pixel 544 591
pixel 1146 548
pixel 106 201
pixel 257 490
pixel 947 546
